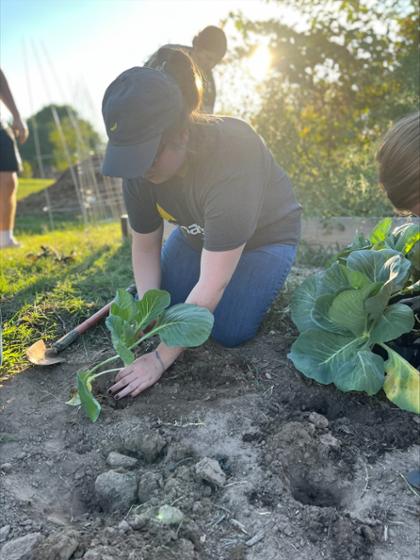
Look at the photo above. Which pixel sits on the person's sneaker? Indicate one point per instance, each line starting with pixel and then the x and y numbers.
pixel 11 244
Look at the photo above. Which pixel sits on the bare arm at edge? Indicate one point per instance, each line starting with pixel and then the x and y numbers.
pixel 145 253
pixel 19 127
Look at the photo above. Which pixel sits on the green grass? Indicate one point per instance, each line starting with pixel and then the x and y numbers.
pixel 31 186
pixel 42 296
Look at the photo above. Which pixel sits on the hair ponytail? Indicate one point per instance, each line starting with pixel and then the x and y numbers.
pixel 181 67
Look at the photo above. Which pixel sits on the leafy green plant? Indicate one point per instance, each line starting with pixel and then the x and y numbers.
pixel 349 310
pixel 183 324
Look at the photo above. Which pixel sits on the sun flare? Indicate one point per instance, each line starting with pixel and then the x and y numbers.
pixel 259 62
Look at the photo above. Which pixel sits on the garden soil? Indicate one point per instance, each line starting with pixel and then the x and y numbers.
pixel 256 462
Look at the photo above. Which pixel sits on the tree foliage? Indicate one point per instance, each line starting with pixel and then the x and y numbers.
pixel 79 139
pixel 338 81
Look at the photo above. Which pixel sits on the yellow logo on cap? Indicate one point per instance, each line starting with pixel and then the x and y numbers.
pixel 113 127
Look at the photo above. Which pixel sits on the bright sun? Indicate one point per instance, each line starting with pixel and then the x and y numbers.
pixel 259 62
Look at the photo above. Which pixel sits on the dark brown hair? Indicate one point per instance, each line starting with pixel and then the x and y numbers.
pixel 399 162
pixel 178 64
pixel 212 39
pixel 182 68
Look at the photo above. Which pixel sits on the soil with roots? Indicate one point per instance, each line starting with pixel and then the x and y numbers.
pixel 300 471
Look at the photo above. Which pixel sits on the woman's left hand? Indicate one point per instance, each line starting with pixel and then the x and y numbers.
pixel 137 377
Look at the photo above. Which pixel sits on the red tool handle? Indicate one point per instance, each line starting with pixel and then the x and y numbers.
pixel 71 336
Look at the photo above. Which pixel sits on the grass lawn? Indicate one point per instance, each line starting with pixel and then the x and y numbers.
pixel 44 295
pixel 30 186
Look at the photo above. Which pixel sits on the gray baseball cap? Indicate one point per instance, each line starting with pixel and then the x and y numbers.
pixel 138 106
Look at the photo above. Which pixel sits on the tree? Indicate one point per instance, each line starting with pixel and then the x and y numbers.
pixel 337 83
pixel 79 135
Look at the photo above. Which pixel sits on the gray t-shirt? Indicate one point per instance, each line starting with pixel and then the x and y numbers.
pixel 233 193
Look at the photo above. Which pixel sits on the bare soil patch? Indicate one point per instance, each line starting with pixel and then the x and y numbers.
pixel 306 472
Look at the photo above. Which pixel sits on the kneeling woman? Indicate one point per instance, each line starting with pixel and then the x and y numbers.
pixel 238 221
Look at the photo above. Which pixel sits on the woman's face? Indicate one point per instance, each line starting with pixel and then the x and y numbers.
pixel 169 160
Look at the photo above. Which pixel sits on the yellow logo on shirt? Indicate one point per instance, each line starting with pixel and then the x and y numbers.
pixel 164 214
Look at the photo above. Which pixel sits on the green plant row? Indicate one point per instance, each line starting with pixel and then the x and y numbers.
pixel 184 324
pixel 345 313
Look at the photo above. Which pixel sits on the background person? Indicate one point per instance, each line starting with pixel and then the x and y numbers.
pixel 10 164
pixel 208 49
pixel 399 173
pixel 238 219
pixel 399 164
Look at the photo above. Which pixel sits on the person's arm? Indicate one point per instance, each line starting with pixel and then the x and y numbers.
pixel 145 253
pixel 216 271
pixel 19 127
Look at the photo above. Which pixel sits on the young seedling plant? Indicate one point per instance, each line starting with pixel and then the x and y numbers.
pixel 184 324
pixel 365 300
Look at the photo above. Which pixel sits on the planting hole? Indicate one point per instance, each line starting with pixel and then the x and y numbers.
pixel 310 494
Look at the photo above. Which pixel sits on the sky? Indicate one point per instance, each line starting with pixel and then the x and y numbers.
pixel 68 51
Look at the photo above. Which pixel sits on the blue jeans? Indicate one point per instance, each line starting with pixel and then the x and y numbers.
pixel 259 276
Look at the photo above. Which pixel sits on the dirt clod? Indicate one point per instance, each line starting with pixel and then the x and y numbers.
pixel 58 546
pixel 116 491
pixel 210 471
pixel 149 484
pixel 21 548
pixel 149 444
pixel 116 460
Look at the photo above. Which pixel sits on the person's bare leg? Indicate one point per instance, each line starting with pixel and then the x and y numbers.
pixel 8 188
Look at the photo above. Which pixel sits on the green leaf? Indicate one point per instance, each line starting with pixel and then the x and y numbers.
pixel 123 305
pixel 414 256
pixel 123 334
pixel 338 278
pixel 185 324
pixel 307 312
pixel 129 317
pixel 363 372
pixel 75 400
pixel 387 267
pixel 396 320
pixel 359 242
pixel 126 355
pixel 380 232
pixel 320 315
pixel 88 401
pixel 404 237
pixel 152 304
pixel 411 242
pixel 402 382
pixel 318 354
pixel 372 263
pixel 303 300
pixel 348 311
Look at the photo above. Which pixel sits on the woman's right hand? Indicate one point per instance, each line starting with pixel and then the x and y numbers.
pixel 138 376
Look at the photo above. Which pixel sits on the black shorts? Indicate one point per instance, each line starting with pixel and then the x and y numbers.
pixel 9 153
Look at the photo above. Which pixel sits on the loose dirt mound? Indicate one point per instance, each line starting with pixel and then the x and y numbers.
pixel 292 470
pixel 83 185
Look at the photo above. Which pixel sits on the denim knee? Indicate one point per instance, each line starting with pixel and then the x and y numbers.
pixel 231 340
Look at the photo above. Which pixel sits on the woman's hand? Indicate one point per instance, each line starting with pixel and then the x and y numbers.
pixel 138 376
pixel 20 129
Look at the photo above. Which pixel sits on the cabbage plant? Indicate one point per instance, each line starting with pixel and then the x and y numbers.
pixel 363 301
pixel 131 322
